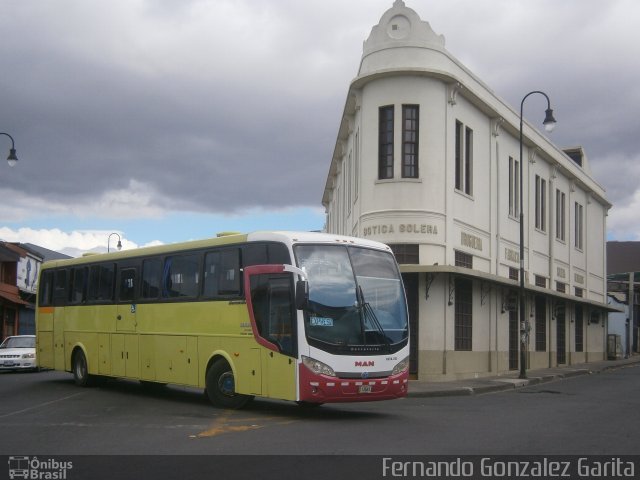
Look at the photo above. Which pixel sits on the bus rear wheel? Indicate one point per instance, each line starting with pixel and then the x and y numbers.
pixel 80 370
pixel 220 387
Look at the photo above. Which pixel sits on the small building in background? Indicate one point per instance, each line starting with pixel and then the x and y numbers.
pixel 19 270
pixel 623 287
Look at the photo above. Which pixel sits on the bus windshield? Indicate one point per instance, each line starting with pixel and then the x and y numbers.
pixel 355 299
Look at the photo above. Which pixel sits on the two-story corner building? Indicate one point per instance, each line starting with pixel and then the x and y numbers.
pixel 16 283
pixel 427 160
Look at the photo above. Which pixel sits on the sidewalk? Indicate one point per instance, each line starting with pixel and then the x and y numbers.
pixel 475 386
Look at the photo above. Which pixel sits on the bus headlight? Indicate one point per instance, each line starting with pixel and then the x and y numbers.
pixel 401 367
pixel 318 367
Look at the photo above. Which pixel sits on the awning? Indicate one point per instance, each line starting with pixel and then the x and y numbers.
pixel 12 297
pixel 505 282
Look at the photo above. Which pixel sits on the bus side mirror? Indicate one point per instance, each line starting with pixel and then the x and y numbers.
pixel 302 294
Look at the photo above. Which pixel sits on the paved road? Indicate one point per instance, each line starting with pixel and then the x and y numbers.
pixel 46 413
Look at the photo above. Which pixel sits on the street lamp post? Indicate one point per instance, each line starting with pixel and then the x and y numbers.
pixel 12 158
pixel 549 124
pixel 118 246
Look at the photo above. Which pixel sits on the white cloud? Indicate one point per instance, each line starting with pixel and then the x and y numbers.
pixel 71 243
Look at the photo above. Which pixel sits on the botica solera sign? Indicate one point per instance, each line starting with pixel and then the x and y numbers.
pixel 400 228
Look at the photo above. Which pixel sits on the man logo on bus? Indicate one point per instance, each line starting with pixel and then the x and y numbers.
pixel 365 363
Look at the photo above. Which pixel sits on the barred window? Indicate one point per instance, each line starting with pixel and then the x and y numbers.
pixel 410 124
pixel 385 142
pixel 541 324
pixel 406 253
pixel 560 215
pixel 463 260
pixel 464 158
pixel 514 274
pixel 579 329
pixel 579 220
pixel 514 187
pixel 463 314
pixel 541 281
pixel 541 203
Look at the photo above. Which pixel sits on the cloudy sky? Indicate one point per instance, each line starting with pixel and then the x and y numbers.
pixel 167 120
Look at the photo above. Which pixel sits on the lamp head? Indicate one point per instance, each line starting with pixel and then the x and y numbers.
pixel 119 245
pixel 12 159
pixel 549 122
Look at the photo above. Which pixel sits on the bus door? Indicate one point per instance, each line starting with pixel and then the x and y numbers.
pixel 126 311
pixel 270 298
pixel 60 285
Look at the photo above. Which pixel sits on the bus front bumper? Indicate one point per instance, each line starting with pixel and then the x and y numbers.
pixel 324 389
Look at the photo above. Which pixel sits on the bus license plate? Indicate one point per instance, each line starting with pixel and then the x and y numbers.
pixel 364 389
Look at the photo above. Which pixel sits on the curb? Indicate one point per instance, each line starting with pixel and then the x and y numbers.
pixel 504 384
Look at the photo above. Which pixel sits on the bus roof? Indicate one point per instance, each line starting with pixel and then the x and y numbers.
pixel 287 237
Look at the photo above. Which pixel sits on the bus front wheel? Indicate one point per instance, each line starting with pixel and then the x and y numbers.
pixel 80 370
pixel 220 387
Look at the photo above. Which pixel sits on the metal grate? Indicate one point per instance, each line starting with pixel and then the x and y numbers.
pixel 463 314
pixel 406 253
pixel 541 324
pixel 514 273
pixel 463 260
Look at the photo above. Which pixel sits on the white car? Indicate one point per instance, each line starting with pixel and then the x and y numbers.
pixel 18 353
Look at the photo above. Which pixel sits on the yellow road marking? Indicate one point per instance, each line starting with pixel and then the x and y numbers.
pixel 225 424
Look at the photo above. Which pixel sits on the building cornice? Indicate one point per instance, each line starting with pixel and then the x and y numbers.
pixel 504 282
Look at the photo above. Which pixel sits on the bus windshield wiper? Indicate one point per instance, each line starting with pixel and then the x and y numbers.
pixel 370 314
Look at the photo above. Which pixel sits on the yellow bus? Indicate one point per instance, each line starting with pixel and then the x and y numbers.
pixel 307 317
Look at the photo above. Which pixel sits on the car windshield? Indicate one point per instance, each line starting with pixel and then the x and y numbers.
pixel 19 342
pixel 355 296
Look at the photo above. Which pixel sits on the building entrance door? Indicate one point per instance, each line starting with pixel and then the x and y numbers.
pixel 411 282
pixel 561 335
pixel 514 340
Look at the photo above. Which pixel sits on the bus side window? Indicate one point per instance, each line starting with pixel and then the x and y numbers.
pixel 265 254
pixel 279 254
pixel 77 291
pixel 229 274
pixel 60 287
pixel 46 288
pixel 151 270
pixel 127 290
pixel 254 254
pixel 101 283
pixel 181 276
pixel 211 269
pixel 222 273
